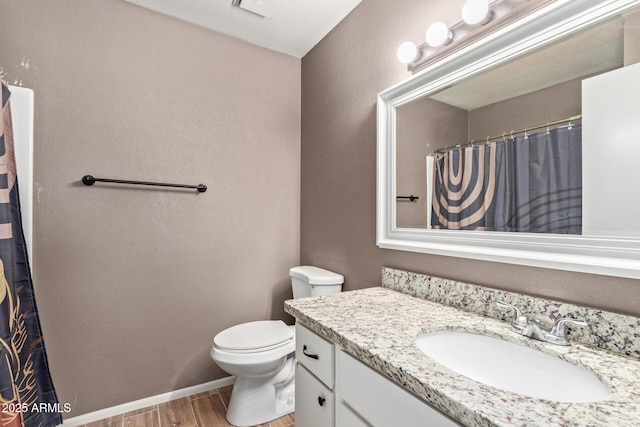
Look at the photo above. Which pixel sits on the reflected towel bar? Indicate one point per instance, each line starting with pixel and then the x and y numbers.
pixel 411 197
pixel 90 180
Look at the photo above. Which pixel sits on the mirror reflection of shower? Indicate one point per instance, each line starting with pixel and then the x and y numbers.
pixel 538 88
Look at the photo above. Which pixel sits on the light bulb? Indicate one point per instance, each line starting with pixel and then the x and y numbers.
pixel 476 12
pixel 438 35
pixel 407 52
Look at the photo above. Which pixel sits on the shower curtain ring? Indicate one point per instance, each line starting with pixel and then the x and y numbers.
pixel 504 136
pixel 526 135
pixel 512 137
pixel 548 124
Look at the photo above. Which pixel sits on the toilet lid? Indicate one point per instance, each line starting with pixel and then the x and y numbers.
pixel 254 335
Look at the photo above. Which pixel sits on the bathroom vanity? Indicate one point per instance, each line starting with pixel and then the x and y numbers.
pixel 359 364
pixel 332 385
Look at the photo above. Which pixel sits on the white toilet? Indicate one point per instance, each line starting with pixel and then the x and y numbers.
pixel 261 355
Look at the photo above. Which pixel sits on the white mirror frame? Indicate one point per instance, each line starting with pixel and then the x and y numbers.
pixel 612 256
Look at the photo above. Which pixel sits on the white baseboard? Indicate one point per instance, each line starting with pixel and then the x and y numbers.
pixel 147 401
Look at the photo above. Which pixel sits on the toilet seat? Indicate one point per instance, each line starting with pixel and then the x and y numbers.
pixel 253 337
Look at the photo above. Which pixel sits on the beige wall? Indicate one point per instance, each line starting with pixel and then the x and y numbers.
pixel 132 284
pixel 340 79
pixel 632 38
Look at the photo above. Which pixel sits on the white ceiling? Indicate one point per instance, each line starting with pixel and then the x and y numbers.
pixel 296 27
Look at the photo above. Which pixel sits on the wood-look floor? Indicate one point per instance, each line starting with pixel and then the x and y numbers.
pixel 199 410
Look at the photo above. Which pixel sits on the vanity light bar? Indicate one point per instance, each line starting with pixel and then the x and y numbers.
pixel 475 14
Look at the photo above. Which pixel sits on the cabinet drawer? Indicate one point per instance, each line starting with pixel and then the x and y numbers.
pixel 315 403
pixel 316 354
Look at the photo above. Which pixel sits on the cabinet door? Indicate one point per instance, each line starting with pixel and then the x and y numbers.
pixel 345 417
pixel 380 401
pixel 314 401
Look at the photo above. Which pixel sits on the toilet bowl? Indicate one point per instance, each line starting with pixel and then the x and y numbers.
pixel 261 355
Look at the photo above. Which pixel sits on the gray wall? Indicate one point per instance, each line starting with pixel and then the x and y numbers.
pixel 132 284
pixel 340 79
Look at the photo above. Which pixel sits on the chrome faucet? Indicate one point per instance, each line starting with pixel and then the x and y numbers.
pixel 531 328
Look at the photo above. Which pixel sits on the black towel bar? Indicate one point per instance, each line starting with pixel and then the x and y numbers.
pixel 90 180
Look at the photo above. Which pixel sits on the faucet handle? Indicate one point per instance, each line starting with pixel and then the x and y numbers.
pixel 559 330
pixel 519 321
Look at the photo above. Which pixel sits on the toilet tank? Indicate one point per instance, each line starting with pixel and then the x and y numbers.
pixel 309 281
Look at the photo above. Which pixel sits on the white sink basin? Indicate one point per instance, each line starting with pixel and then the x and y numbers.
pixel 512 367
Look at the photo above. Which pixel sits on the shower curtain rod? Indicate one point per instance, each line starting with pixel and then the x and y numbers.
pixel 90 180
pixel 509 134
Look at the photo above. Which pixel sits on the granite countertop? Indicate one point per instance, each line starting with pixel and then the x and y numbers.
pixel 379 326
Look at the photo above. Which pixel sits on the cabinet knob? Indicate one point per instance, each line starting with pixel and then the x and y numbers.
pixel 304 351
pixel 321 400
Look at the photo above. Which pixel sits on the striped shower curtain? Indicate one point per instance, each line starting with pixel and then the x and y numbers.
pixel 529 183
pixel 27 396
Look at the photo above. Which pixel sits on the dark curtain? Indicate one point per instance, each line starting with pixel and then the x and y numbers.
pixel 27 396
pixel 524 184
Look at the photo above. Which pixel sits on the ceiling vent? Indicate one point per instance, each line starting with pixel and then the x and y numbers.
pixel 264 8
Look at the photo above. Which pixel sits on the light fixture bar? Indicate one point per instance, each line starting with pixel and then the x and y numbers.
pixel 461 34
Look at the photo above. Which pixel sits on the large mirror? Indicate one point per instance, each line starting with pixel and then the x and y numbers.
pixel 521 147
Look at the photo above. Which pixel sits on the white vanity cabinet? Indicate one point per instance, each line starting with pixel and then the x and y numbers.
pixel 335 389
